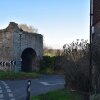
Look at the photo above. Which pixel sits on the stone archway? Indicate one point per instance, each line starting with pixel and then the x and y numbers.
pixel 28 56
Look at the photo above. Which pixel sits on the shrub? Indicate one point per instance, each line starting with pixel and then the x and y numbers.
pixel 47 64
pixel 76 65
pixel 77 75
pixel 51 64
pixel 80 82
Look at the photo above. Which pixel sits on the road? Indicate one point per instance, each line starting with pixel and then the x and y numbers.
pixel 16 90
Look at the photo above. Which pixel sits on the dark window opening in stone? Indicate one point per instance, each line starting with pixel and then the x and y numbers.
pixel 28 56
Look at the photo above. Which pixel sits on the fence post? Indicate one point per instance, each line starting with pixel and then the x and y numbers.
pixel 28 89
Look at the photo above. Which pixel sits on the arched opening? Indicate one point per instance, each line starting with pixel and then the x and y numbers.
pixel 28 56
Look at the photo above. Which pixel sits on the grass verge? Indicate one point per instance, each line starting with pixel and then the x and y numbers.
pixel 17 75
pixel 59 95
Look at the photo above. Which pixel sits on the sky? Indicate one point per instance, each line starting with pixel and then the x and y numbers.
pixel 59 21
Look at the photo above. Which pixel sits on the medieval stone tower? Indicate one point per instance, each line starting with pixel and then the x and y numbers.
pixel 20 50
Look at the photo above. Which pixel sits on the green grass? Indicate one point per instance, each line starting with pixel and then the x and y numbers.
pixel 59 95
pixel 17 75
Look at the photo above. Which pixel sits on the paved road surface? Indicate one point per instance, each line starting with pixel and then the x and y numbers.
pixel 16 90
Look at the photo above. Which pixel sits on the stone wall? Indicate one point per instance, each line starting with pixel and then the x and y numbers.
pixel 23 40
pixel 96 11
pixel 13 41
pixel 96 57
pixel 6 44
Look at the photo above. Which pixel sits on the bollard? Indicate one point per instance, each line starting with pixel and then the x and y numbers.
pixel 28 89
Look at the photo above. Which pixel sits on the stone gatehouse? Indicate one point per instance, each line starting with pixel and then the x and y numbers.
pixel 19 50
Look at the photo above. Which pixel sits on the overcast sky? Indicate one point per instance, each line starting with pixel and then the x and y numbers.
pixel 60 21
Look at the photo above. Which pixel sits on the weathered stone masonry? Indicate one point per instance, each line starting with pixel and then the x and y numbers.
pixel 13 41
pixel 96 46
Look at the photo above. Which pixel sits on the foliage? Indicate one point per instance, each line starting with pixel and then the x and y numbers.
pixel 80 82
pixel 48 51
pixel 76 63
pixel 51 64
pixel 76 50
pixel 27 28
pixel 48 61
pixel 51 61
pixel 47 64
pixel 59 95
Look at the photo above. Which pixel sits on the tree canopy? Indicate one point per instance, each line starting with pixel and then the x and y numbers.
pixel 27 28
